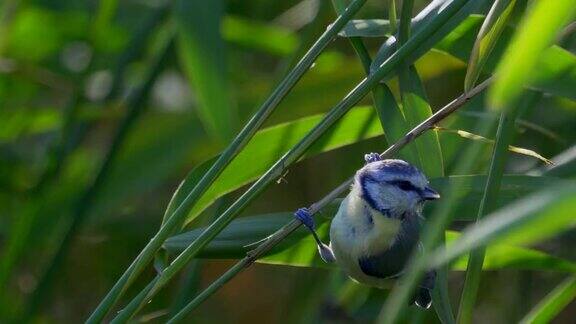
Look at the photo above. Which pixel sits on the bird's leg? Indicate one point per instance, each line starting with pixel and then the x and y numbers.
pixel 303 215
pixel 372 157
pixel 429 280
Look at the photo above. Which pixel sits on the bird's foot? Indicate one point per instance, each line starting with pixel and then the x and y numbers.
pixel 372 157
pixel 326 253
pixel 303 215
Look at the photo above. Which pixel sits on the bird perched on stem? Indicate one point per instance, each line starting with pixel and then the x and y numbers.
pixel 377 226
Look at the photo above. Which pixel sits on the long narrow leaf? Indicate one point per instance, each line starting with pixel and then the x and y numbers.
pixel 529 220
pixel 416 109
pixel 422 22
pixel 202 51
pixel 427 146
pixel 553 303
pixel 489 34
pixel 504 136
pixel 556 73
pixel 275 171
pixel 177 218
pixel 300 249
pixel 359 124
pixel 535 34
pixel 511 148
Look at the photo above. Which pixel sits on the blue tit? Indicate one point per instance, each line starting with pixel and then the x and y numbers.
pixel 377 226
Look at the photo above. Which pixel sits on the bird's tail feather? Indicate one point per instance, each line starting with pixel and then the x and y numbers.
pixel 422 298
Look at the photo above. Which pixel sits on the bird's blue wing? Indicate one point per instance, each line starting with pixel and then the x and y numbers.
pixel 391 262
pixel 384 265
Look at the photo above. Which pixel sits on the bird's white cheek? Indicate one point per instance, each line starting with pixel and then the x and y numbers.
pixel 414 202
pixel 404 202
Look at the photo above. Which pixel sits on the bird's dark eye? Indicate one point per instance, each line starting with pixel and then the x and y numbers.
pixel 405 185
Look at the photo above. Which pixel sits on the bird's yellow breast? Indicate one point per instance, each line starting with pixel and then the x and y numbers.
pixel 360 235
pixel 352 237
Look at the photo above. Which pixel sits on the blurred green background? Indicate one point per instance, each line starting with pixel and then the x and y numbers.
pixel 70 72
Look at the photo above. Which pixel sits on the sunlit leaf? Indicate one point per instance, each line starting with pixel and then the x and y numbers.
pixel 486 40
pixel 269 145
pixel 366 28
pixel 556 72
pixel 511 148
pixel 416 109
pixel 392 120
pixel 422 21
pixel 299 249
pixel 528 220
pixel 535 34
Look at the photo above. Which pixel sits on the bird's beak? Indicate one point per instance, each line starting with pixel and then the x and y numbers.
pixel 430 194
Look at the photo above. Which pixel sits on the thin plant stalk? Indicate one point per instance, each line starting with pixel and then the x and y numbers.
pixel 553 303
pixel 176 219
pixel 405 21
pixel 489 34
pixel 286 230
pixel 431 235
pixel 356 42
pixel 296 152
pixel 442 300
pixel 440 294
pixel 392 16
pixel 504 137
pixel 135 107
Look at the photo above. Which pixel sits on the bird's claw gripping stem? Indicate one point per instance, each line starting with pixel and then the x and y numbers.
pixel 303 215
pixel 372 157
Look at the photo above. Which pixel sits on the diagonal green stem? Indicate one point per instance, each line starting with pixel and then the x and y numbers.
pixel 441 298
pixel 294 154
pixel 504 136
pixel 175 220
pixel 398 297
pixel 431 235
pixel 553 303
pixel 405 21
pixel 282 233
pixel 377 93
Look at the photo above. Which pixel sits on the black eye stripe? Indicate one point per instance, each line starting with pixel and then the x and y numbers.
pixel 404 185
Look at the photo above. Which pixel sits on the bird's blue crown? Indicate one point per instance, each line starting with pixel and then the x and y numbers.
pixel 392 184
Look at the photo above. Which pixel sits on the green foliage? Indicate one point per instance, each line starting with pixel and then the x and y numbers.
pixel 553 303
pixel 536 33
pixel 488 36
pixel 102 118
pixel 299 249
pixel 357 125
pixel 203 53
